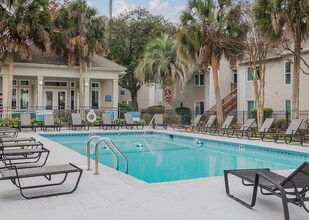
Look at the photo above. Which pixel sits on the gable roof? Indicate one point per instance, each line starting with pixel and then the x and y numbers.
pixel 49 58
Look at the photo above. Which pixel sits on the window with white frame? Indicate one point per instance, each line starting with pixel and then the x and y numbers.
pixel 14 82
pixel 199 107
pixel 24 98
pixel 287 73
pixel 122 92
pixel 14 98
pixel 56 84
pixel 199 79
pixel 250 106
pixel 288 108
pixel 72 84
pixel 250 73
pixel 24 82
pixel 95 85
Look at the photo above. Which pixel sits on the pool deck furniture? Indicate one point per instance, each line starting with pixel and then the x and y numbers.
pixel 8 132
pixel 194 125
pixel 129 122
pixel 107 122
pixel 227 125
pixel 76 122
pixel 291 132
pixel 159 122
pixel 25 122
pixel 265 128
pixel 209 124
pixel 242 130
pixel 48 122
pixel 47 172
pixel 291 189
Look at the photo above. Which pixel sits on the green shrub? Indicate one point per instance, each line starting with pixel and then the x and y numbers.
pixel 98 121
pixel 146 117
pixel 157 109
pixel 281 123
pixel 124 108
pixel 174 119
pixel 267 113
pixel 182 110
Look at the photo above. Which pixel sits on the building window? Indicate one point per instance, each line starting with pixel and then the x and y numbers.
pixel 251 105
pixel 287 73
pixel 199 108
pixel 122 92
pixel 95 85
pixel 288 108
pixel 108 98
pixel 14 82
pixel 72 99
pixel 14 98
pixel 250 73
pixel 56 84
pixel 24 98
pixel 72 84
pixel 199 79
pixel 95 99
pixel 24 83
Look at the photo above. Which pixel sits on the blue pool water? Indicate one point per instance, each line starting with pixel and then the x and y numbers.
pixel 163 158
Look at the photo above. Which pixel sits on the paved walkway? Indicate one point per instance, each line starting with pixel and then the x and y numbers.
pixel 114 195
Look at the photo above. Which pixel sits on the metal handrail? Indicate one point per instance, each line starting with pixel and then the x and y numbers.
pixel 105 141
pixel 119 151
pixel 149 124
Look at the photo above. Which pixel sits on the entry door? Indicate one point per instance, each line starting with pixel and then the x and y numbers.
pixel 55 98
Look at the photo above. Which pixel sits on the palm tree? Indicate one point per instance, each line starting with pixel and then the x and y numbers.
pixel 208 31
pixel 278 18
pixel 160 62
pixel 22 23
pixel 78 33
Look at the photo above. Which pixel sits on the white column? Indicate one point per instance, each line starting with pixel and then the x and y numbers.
pixel 87 92
pixel 5 91
pixel 40 96
pixel 115 95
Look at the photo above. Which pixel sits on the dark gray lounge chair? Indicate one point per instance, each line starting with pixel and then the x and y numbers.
pixel 291 189
pixel 291 132
pixel 25 122
pixel 209 124
pixel 242 131
pixel 129 122
pixel 76 122
pixel 49 123
pixel 8 132
pixel 194 125
pixel 17 140
pixel 159 121
pixel 47 172
pixel 225 127
pixel 107 122
pixel 265 128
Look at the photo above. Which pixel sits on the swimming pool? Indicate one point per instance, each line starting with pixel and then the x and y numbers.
pixel 166 157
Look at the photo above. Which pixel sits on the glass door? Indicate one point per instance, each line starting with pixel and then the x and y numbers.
pixel 49 99
pixel 61 99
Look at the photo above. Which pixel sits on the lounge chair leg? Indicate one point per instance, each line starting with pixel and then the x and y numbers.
pixel 285 206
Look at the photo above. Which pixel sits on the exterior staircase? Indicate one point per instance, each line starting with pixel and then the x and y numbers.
pixel 229 103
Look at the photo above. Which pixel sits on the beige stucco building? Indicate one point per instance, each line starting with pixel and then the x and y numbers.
pixel 46 82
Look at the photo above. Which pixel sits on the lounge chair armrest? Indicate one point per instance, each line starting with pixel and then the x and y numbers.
pixel 258 174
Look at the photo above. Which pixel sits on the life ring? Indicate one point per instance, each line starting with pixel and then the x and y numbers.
pixel 91 116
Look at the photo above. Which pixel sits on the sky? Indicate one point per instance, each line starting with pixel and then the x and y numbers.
pixel 170 9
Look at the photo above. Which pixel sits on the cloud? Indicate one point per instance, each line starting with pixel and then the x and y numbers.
pixel 156 5
pixel 174 14
pixel 121 6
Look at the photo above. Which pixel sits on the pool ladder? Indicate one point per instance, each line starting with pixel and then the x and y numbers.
pixel 108 143
pixel 149 125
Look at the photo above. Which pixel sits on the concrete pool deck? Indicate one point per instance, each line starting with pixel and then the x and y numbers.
pixel 114 195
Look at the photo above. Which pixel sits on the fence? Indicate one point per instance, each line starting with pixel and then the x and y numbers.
pixel 63 114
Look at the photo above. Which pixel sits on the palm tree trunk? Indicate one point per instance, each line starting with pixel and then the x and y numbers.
pixel 10 85
pixel 134 100
pixel 215 67
pixel 296 72
pixel 167 92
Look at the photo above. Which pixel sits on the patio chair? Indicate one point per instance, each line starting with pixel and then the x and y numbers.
pixel 76 122
pixel 159 121
pixel 265 128
pixel 225 127
pixel 48 122
pixel 107 122
pixel 209 124
pixel 291 189
pixel 25 122
pixel 291 132
pixel 129 122
pixel 8 132
pixel 17 175
pixel 16 140
pixel 195 124
pixel 240 132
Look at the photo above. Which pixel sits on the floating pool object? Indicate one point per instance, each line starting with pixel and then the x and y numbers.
pixel 171 136
pixel 199 142
pixel 139 145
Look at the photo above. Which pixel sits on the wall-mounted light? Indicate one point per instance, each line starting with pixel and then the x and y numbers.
pixel 40 82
